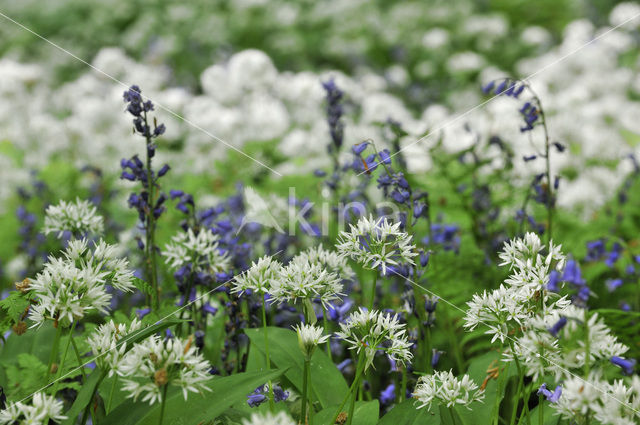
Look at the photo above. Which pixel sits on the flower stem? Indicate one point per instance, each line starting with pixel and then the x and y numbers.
pixel 272 405
pixel 305 385
pixel 311 410
pixel 359 369
pixel 80 365
pixel 111 392
pixel 64 357
pixel 325 322
pixel 518 394
pixel 55 347
pixel 164 402
pixel 372 301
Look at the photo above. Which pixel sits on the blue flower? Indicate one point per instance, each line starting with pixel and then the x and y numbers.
pixel 388 395
pixel 554 396
pixel 613 284
pixel 627 365
pixel 557 327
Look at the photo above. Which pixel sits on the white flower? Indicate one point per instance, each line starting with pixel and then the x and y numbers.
pixel 43 408
pixel 268 418
pixel 331 260
pixel 376 243
pixel 301 279
pixel 156 362
pixel 79 218
pixel 200 251
pixel 373 331
pixel 309 337
pixel 104 340
pixel 448 389
pixel 74 284
pixel 258 278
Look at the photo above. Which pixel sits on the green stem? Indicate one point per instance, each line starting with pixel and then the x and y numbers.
pixel 325 322
pixel 87 409
pixel 514 410
pixel 311 409
pixel 272 405
pixel 305 385
pixel 111 392
pixel 64 357
pixel 372 301
pixel 500 389
pixel 452 416
pixel 164 402
pixel 587 345
pixel 418 301
pixel 540 409
pixel 403 385
pixel 427 348
pixel 359 369
pixel 80 365
pixel 453 341
pixel 352 404
pixel 54 348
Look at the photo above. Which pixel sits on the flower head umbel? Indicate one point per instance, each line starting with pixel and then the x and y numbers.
pixel 70 286
pixel 377 244
pixel 156 362
pixel 268 418
pixel 104 344
pixel 301 279
pixel 80 218
pixel 199 252
pixel 376 331
pixel 43 410
pixel 446 388
pixel 258 278
pixel 309 337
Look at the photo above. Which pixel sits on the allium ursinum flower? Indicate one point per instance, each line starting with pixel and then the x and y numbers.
pixel 373 331
pixel 268 418
pixel 376 243
pixel 331 260
pixel 103 342
pixel 510 306
pixel 74 284
pixel 80 218
pixel 41 411
pixel 258 278
pixel 156 362
pixel 309 337
pixel 301 280
pixel 446 388
pixel 198 251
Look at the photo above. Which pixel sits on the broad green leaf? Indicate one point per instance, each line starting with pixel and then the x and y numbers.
pixel 550 417
pixel 407 413
pixel 225 392
pixel 364 413
pixel 327 383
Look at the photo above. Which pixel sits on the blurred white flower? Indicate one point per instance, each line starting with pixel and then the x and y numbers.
pixel 81 218
pixel 268 418
pixel 103 342
pixel 200 252
pixel 43 410
pixel 448 389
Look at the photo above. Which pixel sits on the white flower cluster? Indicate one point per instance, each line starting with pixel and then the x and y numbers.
pixel 73 284
pixel 156 362
pixel 331 260
pixel 258 277
pixel 81 218
pixel 104 341
pixel 304 277
pixel 448 389
pixel 616 403
pixel 200 251
pixel 309 337
pixel 373 331
pixel 268 418
pixel 376 243
pixel 511 305
pixel 41 411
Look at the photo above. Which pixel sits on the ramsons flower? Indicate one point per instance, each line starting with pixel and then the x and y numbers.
pixel 376 331
pixel 200 252
pixel 377 243
pixel 268 418
pixel 81 218
pixel 309 337
pixel 43 410
pixel 103 342
pixel 70 286
pixel 258 278
pixel 301 279
pixel 156 362
pixel 446 388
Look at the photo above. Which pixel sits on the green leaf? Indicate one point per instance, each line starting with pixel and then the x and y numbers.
pixel 327 383
pixel 550 417
pixel 225 392
pixel 143 286
pixel 365 413
pixel 407 413
pixel 15 304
